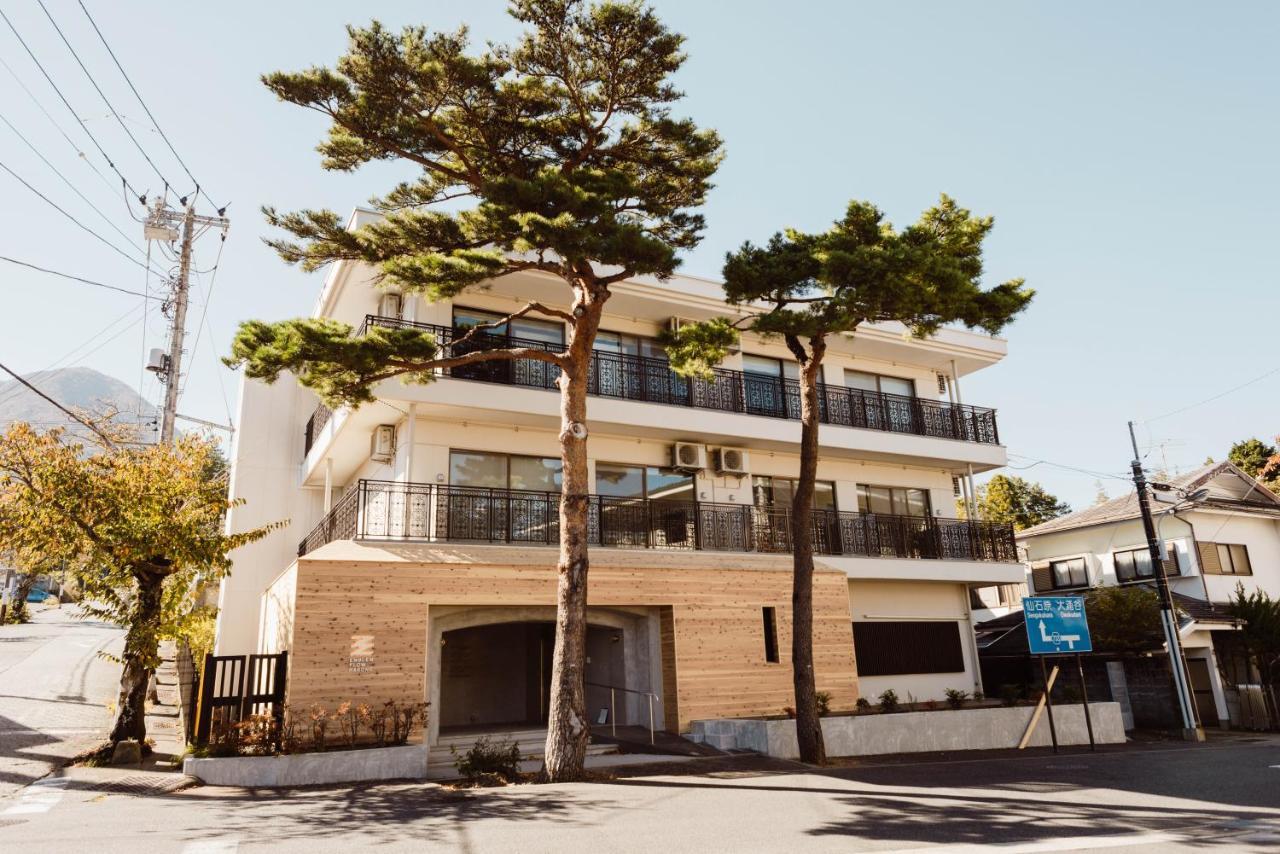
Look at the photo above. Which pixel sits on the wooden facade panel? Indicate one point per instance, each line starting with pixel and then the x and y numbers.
pixel 710 626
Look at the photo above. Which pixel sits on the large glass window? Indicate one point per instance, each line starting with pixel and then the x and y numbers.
pixel 1234 559
pixel 628 345
pixel 618 480
pixel 778 492
pixel 893 500
pixel 879 382
pixel 1069 573
pixel 524 328
pixel 505 471
pixel 767 366
pixel 1133 564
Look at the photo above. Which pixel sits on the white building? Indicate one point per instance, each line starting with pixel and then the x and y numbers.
pixel 1229 537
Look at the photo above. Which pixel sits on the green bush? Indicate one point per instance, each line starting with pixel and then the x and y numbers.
pixel 889 701
pixel 863 704
pixel 823 699
pixel 956 698
pixel 488 763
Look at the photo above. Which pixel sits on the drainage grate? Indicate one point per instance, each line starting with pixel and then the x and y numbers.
pixel 147 784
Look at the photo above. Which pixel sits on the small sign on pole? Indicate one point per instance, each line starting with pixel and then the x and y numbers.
pixel 1057 625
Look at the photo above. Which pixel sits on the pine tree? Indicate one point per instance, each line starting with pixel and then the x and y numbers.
pixel 1018 502
pixel 566 150
pixel 814 286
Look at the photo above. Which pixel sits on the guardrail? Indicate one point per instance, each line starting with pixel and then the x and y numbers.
pixel 378 510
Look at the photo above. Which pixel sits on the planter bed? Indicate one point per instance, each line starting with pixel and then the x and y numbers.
pixel 406 762
pixel 915 732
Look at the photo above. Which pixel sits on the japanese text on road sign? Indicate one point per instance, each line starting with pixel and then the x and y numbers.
pixel 1056 624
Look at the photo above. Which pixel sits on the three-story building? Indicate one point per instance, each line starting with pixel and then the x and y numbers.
pixel 419 560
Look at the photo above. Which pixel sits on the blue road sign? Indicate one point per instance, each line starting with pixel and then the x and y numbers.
pixel 1056 624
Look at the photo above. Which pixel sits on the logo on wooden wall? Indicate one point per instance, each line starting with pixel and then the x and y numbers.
pixel 361 660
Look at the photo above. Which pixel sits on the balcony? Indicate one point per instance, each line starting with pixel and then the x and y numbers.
pixel 650 380
pixel 384 511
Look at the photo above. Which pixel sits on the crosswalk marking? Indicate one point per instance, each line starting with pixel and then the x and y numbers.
pixel 40 796
pixel 212 846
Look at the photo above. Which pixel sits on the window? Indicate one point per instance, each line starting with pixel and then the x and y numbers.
pixel 770 634
pixel 628 345
pixel 879 383
pixel 767 366
pixel 1133 564
pixel 897 648
pixel 652 482
pixel 505 471
pixel 1234 559
pixel 778 492
pixel 524 328
pixel 1069 573
pixel 893 500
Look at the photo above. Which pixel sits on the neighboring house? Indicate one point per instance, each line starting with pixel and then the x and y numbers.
pixel 419 558
pixel 1230 536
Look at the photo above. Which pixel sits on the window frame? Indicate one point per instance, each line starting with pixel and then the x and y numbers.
pixel 644 480
pixel 769 616
pixel 1053 575
pixel 505 329
pixel 507 457
pixel 1228 551
pixel 834 508
pixel 893 500
pixel 879 378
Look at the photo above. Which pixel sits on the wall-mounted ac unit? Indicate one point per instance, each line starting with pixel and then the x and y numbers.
pixel 733 461
pixel 687 456
pixel 956 489
pixel 382 444
pixel 942 383
pixel 390 305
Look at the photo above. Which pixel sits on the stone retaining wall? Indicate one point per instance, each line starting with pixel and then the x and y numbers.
pixel 916 732
pixel 306 769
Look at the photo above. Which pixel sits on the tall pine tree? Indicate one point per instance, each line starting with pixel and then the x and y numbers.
pixel 806 288
pixel 565 146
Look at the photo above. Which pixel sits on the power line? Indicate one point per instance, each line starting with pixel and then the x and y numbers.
pixel 70 109
pixel 154 123
pixel 208 296
pixel 78 278
pixel 58 364
pixel 103 95
pixel 73 415
pixel 56 207
pixel 68 182
pixel 1036 462
pixel 1218 396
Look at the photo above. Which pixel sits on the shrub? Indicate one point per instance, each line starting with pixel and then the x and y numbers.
pixel 824 703
pixel 930 705
pixel 889 701
pixel 1010 694
pixel 488 763
pixel 956 698
pixel 978 696
pixel 863 704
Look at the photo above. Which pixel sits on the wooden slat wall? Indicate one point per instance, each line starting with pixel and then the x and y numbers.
pixel 670 694
pixel 716 628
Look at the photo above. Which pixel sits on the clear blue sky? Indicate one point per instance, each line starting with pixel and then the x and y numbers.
pixel 1127 152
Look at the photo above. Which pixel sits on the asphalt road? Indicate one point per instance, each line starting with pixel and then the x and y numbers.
pixel 54 693
pixel 1221 796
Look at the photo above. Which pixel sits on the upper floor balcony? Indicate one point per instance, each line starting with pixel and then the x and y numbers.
pixel 648 379
pixel 385 511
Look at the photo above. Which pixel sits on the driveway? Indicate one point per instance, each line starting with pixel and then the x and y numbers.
pixel 55 692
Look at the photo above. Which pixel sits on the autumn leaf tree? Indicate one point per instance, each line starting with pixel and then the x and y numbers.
pixel 1019 502
pixel 139 525
pixel 808 288
pixel 1258 459
pixel 557 154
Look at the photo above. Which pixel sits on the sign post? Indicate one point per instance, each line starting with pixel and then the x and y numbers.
pixel 1057 625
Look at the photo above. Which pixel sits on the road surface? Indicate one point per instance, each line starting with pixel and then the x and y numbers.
pixel 54 693
pixel 1224 796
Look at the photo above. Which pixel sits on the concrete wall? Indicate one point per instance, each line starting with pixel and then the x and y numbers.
pixel 917 732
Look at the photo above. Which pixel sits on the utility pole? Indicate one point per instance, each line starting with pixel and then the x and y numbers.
pixel 162 224
pixel 1168 614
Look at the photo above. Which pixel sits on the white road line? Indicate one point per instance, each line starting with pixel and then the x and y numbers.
pixel 1065 843
pixel 40 796
pixel 212 846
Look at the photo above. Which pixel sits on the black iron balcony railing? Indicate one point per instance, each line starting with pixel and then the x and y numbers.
pixel 644 378
pixel 315 424
pixel 427 512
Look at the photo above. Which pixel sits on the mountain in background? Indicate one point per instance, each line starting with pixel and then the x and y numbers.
pixel 79 389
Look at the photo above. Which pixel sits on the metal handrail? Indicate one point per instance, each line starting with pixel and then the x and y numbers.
pixel 613 705
pixel 650 379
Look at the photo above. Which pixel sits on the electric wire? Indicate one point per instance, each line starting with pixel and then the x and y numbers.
pixel 63 360
pixel 105 100
pixel 71 414
pixel 204 309
pixel 78 278
pixel 1036 462
pixel 60 210
pixel 150 115
pixel 70 109
pixel 69 183
pixel 1218 396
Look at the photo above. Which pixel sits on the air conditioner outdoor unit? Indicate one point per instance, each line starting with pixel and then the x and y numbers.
pixel 390 305
pixel 687 456
pixel 942 383
pixel 382 444
pixel 732 461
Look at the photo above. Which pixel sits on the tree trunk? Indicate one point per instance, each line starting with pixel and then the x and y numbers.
pixel 141 648
pixel 808 724
pixel 26 583
pixel 568 727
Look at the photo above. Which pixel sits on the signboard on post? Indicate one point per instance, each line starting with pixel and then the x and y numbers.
pixel 1056 625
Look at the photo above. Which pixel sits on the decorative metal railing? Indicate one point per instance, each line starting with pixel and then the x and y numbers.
pixel 648 379
pixel 428 512
pixel 315 424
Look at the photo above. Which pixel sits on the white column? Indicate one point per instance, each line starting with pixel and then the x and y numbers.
pixel 328 484
pixel 410 438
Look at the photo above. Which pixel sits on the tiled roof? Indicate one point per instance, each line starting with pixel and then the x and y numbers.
pixel 1125 507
